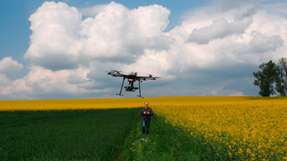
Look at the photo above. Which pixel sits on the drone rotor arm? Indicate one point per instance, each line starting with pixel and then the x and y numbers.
pixel 144 78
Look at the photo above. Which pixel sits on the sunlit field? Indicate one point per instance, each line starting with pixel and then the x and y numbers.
pixel 250 128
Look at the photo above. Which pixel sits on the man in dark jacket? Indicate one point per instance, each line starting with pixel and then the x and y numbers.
pixel 146 115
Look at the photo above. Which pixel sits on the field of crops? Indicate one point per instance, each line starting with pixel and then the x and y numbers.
pixel 86 135
pixel 227 128
pixel 253 129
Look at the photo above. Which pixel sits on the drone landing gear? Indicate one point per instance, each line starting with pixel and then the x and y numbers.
pixel 130 88
pixel 140 92
pixel 120 94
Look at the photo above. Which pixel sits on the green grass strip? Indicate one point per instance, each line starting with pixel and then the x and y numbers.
pixel 168 143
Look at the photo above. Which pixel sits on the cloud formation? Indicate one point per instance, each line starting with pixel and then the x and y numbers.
pixel 219 29
pixel 54 42
pixel 72 48
pixel 9 67
pixel 63 38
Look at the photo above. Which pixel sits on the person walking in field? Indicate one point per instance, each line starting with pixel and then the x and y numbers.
pixel 146 115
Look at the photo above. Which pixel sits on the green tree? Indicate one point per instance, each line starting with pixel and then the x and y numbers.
pixel 281 81
pixel 266 78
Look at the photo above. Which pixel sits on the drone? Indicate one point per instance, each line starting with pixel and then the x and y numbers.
pixel 131 78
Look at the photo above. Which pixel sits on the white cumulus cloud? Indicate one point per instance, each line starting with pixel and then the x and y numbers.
pixel 9 67
pixel 219 28
pixel 62 38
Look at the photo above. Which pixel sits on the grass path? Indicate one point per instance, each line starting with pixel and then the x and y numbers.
pixel 168 143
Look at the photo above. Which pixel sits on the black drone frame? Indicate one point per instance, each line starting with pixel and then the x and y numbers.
pixel 122 86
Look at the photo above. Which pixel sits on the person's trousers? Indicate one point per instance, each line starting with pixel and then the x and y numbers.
pixel 145 126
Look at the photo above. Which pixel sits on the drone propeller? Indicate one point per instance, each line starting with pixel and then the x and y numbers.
pixel 114 72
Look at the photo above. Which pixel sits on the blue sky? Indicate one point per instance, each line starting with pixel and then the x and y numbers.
pixel 14 16
pixel 207 47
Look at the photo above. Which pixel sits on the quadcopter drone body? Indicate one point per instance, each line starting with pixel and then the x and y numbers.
pixel 131 78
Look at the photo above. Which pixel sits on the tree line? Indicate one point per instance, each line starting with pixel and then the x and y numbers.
pixel 271 78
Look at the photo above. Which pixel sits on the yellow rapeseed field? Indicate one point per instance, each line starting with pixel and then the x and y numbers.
pixel 251 128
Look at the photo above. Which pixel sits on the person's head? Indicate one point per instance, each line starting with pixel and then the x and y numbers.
pixel 145 104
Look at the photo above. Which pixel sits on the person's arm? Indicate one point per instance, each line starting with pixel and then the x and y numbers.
pixel 151 112
pixel 143 113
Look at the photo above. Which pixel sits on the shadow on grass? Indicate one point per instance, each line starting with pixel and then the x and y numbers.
pixel 98 135
pixel 168 143
pixel 87 135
